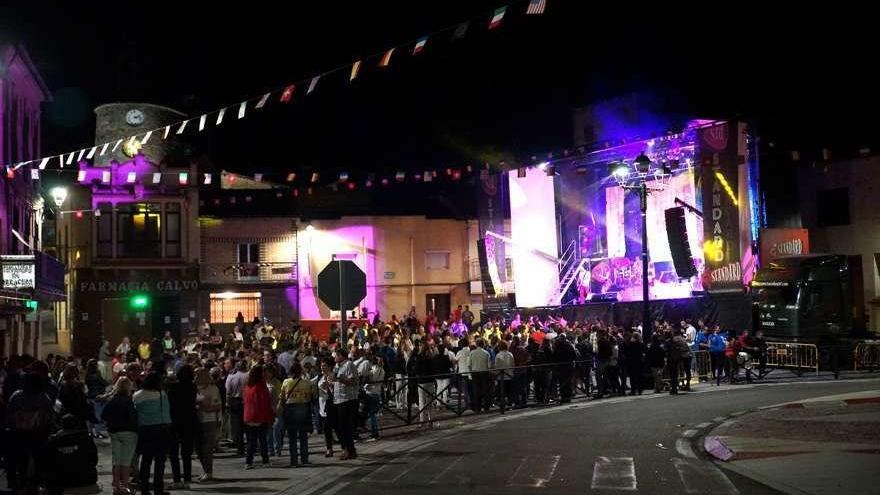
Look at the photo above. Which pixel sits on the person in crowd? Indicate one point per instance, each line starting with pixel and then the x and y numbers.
pixel 717 346
pixel 759 344
pixel 143 350
pixel 235 383
pixel 96 386
pixel 423 366
pixel 345 400
pixel 184 420
pixel 154 431
pixel 31 416
pixel 504 363
pixel 467 317
pixel 124 347
pixel 209 407
pixel 465 385
pixel 72 396
pixel 121 419
pixel 294 402
pixel 326 410
pixel 635 359
pixel 478 366
pixel 521 360
pixel 656 360
pixel 258 415
pixel 374 389
pixel 275 437
pixel 73 457
pixel 442 369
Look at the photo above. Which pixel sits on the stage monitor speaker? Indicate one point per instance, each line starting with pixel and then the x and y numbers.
pixel 676 231
pixel 488 286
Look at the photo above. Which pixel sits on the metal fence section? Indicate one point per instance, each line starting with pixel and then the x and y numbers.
pixel 701 365
pixel 791 356
pixel 866 356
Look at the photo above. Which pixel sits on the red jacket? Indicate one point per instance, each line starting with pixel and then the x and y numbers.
pixel 258 404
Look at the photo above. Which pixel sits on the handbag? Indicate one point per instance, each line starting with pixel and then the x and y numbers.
pixel 279 409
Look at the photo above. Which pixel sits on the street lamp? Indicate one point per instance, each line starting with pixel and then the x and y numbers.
pixel 59 195
pixel 637 178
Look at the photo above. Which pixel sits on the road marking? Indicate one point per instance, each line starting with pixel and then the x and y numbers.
pixel 704 425
pixel 718 419
pixel 690 433
pixel 336 488
pixel 614 473
pixel 437 478
pixel 703 477
pixel 540 471
pixel 684 448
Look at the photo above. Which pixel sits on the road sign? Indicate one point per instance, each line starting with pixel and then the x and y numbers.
pixel 342 285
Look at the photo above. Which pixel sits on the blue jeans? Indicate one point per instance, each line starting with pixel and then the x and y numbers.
pixel 276 437
pixel 373 414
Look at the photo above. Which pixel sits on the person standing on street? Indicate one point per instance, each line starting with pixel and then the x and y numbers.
pixel 478 365
pixel 235 384
pixel 258 415
pixel 295 403
pixel 210 407
pixel 121 419
pixel 182 398
pixel 154 431
pixel 345 382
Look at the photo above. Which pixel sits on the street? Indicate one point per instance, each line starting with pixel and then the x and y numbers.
pixel 623 444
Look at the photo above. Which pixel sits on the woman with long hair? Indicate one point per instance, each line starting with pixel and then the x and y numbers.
pixel 326 410
pixel 96 385
pixel 120 416
pixel 154 431
pixel 209 409
pixel 258 415
pixel 72 396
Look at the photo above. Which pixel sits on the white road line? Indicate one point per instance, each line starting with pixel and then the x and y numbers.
pixel 540 471
pixel 614 473
pixel 438 477
pixel 703 477
pixel 683 447
pixel 690 433
pixel 718 419
pixel 372 475
pixel 704 425
pixel 412 466
pixel 516 471
pixel 335 489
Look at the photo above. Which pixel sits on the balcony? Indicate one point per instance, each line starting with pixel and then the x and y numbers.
pixel 249 273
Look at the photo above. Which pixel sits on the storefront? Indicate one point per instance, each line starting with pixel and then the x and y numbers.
pixel 112 303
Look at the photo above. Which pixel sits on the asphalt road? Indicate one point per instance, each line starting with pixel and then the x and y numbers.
pixel 631 444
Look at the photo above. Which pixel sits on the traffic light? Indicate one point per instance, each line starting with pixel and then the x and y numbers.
pixel 139 301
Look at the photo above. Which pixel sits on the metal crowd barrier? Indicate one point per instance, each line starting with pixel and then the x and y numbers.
pixel 792 356
pixel 866 356
pixel 701 366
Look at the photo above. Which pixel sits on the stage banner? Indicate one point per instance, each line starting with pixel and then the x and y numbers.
pixel 776 243
pixel 718 152
pixel 491 200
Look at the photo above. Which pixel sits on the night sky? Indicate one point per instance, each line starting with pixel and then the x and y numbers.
pixel 803 76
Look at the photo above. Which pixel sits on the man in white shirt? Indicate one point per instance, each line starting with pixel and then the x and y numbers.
pixel 465 384
pixel 478 366
pixel 504 368
pixel 690 333
pixel 345 398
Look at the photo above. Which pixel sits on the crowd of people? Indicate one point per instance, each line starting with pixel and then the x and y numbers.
pixel 162 401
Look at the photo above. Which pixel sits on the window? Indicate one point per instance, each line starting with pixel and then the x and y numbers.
pixel 225 306
pixel 172 230
pixel 248 259
pixel 832 207
pixel 104 226
pixel 138 230
pixel 437 260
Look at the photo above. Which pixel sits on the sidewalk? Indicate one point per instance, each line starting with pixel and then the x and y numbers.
pixel 825 445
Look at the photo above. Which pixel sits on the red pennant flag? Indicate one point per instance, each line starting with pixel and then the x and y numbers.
pixel 386 58
pixel 287 94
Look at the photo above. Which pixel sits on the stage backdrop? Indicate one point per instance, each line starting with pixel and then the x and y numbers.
pixel 533 231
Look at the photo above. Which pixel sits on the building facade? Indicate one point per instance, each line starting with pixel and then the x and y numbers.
pixel 130 235
pixel 840 205
pixel 30 279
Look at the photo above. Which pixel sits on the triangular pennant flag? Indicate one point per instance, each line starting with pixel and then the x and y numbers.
pixel 461 31
pixel 287 94
pixel 536 7
pixel 80 155
pixel 312 84
pixel 262 102
pixel 242 107
pixel 104 148
pixel 44 162
pixel 147 137
pixel 207 179
pixel 167 131
pixel 420 45
pixel 355 67
pixel 70 157
pixel 91 153
pixel 386 58
pixel 497 17
pixel 35 174
pixel 10 173
pixel 115 146
pixel 182 127
pixel 220 115
pixel 202 120
pixel 258 177
pixel 61 160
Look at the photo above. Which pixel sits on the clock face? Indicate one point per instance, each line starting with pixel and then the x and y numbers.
pixel 134 117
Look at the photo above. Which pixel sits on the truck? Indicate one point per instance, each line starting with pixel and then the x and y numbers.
pixel 815 299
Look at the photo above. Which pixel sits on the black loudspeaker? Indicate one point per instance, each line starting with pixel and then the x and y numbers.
pixel 676 231
pixel 488 286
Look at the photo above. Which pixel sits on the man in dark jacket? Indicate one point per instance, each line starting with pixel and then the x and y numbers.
pixel 565 355
pixel 71 457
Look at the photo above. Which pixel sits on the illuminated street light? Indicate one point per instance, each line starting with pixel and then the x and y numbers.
pixel 59 195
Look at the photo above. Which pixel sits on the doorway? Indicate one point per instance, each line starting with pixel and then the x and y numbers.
pixel 440 304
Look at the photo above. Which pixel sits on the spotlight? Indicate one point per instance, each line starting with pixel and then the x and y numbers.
pixel 543 165
pixel 619 170
pixel 384 181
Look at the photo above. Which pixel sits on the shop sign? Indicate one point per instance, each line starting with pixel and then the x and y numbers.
pixel 134 286
pixel 18 271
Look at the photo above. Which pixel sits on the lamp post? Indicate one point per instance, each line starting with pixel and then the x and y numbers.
pixel 636 178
